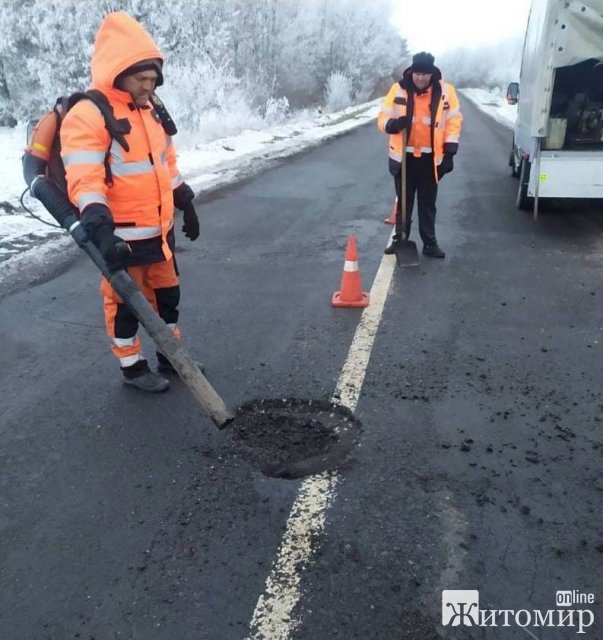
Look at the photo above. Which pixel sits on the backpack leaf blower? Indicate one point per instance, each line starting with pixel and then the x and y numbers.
pixel 67 215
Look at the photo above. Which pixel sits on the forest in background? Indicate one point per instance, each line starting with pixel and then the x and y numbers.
pixel 230 65
pixel 485 67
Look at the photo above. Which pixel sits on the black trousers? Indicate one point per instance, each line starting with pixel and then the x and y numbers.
pixel 420 182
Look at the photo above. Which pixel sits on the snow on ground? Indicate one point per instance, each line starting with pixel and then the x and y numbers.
pixel 494 103
pixel 26 242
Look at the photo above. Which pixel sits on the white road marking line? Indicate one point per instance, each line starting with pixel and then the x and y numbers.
pixel 272 617
pixel 352 374
pixel 529 633
pixel 454 535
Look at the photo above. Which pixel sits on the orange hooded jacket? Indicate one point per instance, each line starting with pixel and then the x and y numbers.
pixel 140 198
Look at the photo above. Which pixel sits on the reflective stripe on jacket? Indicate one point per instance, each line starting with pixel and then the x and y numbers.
pixel 143 178
pixel 443 118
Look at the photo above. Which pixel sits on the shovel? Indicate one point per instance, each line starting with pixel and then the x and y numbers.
pixel 406 250
pixel 67 216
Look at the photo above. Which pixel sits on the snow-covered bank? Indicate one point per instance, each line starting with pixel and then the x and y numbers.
pixel 26 242
pixel 223 161
pixel 494 103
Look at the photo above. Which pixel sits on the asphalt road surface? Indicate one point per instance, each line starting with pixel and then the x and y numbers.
pixel 480 461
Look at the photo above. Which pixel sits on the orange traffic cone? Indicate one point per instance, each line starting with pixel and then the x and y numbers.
pixel 351 294
pixel 392 215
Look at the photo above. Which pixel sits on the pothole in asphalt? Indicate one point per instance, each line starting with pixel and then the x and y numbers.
pixel 294 438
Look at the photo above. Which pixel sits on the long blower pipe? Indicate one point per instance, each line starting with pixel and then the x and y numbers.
pixel 68 217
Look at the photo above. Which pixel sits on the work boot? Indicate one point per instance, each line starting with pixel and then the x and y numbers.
pixel 391 250
pixel 140 376
pixel 165 366
pixel 433 251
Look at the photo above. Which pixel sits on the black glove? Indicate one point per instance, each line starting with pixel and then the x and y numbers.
pixel 446 166
pixel 183 194
pixel 114 249
pixel 396 125
pixel 191 222
pixel 98 223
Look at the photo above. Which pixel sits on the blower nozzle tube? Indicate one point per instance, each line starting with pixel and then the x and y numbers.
pixel 67 215
pixel 59 206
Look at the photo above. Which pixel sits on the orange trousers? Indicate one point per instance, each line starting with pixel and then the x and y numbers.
pixel 160 285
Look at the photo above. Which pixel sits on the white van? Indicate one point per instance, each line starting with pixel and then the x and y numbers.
pixel 558 138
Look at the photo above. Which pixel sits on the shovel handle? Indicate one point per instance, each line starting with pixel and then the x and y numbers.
pixel 403 185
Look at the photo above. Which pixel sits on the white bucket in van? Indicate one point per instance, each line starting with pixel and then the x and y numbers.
pixel 556 136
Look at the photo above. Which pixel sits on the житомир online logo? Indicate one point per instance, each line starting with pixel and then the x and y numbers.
pixel 461 607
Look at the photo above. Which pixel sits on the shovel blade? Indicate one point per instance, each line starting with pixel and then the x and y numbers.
pixel 407 254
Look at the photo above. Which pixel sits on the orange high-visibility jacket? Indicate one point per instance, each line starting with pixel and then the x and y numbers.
pixel 441 125
pixel 140 198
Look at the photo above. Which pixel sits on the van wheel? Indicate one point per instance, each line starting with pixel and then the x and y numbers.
pixel 523 201
pixel 514 170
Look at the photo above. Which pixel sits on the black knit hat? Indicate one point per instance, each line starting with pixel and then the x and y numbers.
pixel 423 62
pixel 152 64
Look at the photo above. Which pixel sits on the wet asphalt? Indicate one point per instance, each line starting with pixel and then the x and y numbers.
pixel 480 461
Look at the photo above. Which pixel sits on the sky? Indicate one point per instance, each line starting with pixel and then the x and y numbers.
pixel 439 25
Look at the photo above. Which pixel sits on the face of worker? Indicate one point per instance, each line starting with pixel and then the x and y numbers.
pixel 140 86
pixel 421 80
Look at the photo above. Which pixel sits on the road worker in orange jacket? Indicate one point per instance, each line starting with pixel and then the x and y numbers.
pixel 427 109
pixel 129 195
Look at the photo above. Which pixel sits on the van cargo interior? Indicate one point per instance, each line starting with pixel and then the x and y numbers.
pixel 576 115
